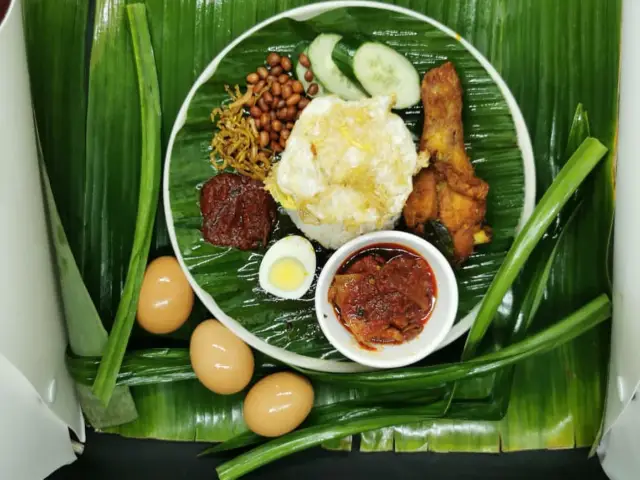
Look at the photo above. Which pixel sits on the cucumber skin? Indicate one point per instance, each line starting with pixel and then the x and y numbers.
pixel 343 87
pixel 343 54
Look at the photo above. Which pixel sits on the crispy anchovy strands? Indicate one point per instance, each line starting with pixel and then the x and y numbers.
pixel 236 143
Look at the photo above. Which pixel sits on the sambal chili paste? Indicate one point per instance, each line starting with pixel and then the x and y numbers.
pixel 237 212
pixel 384 294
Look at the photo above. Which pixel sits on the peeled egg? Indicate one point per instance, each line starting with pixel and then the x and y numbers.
pixel 166 298
pixel 288 267
pixel 222 362
pixel 277 404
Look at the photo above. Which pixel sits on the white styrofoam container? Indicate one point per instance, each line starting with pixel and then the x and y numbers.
pixel 37 394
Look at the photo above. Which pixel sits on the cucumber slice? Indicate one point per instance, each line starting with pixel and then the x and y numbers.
pixel 383 71
pixel 343 54
pixel 301 70
pixel 327 72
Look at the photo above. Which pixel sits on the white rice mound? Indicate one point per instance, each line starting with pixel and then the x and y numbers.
pixel 347 169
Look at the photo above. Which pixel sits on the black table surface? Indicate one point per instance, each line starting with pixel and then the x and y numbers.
pixel 113 457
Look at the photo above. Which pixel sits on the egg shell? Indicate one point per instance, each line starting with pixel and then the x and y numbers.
pixel 166 298
pixel 222 362
pixel 278 404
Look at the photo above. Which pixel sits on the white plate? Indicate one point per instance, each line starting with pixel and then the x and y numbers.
pixel 301 14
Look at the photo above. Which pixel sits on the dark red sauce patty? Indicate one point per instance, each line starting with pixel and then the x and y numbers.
pixel 237 212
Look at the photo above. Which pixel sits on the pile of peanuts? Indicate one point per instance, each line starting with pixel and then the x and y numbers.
pixel 278 99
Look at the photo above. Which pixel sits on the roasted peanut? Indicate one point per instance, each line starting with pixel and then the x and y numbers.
pixel 304 60
pixel 313 89
pixel 267 98
pixel 263 105
pixel 273 59
pixel 293 99
pixel 275 146
pixel 285 62
pixel 255 112
pixel 308 76
pixel 276 89
pixel 297 87
pixel 303 103
pixel 253 78
pixel 276 125
pixel 284 78
pixel 264 139
pixel 263 72
pixel 287 91
pixel 277 71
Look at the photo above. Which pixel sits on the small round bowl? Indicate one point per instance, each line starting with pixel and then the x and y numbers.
pixel 389 355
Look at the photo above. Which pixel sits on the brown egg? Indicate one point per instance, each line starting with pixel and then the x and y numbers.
pixel 277 404
pixel 166 298
pixel 222 362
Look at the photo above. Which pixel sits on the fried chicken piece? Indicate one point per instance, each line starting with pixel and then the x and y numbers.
pixel 448 189
pixel 422 204
pixel 463 217
pixel 470 186
pixel 442 134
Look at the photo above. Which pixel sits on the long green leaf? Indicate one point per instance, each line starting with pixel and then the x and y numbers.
pixel 564 186
pixel 55 36
pixel 153 366
pixel 148 200
pixel 87 335
pixel 415 377
pixel 311 437
pixel 172 365
pixel 371 405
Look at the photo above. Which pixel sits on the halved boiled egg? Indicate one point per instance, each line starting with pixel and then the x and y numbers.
pixel 288 267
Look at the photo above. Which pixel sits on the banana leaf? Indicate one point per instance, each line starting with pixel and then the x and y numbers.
pixel 532 43
pixel 51 29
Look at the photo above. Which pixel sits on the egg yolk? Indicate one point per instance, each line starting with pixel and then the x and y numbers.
pixel 287 274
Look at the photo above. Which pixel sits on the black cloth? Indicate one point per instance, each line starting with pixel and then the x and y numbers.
pixel 113 457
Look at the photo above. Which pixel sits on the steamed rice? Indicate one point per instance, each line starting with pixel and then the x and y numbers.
pixel 347 169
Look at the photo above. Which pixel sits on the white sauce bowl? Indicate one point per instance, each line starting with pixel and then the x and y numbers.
pixel 435 329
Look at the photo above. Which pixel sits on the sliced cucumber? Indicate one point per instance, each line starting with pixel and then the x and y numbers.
pixel 327 72
pixel 383 71
pixel 343 54
pixel 301 70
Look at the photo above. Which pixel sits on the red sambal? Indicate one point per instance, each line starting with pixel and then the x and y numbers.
pixel 384 294
pixel 236 212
